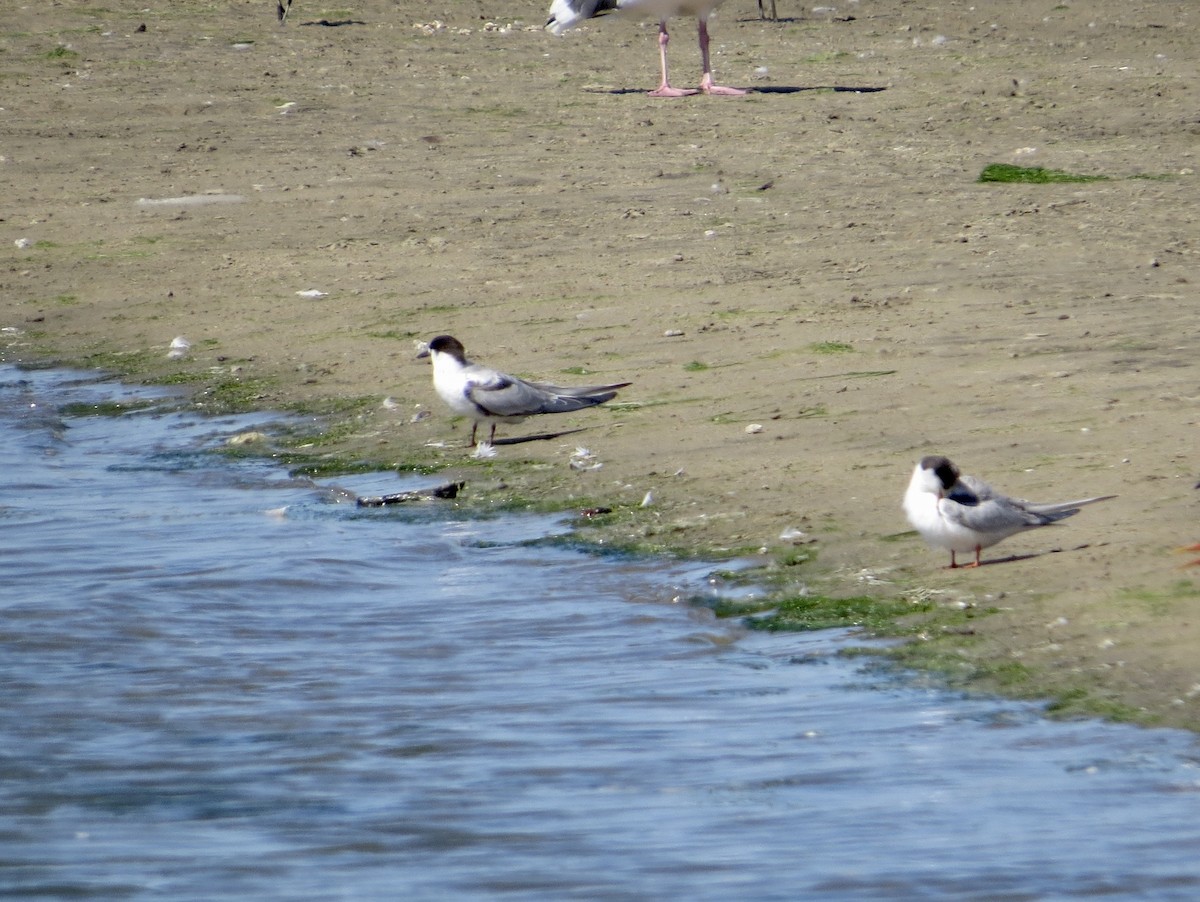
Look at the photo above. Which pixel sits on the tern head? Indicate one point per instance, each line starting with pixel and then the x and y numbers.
pixel 936 474
pixel 449 345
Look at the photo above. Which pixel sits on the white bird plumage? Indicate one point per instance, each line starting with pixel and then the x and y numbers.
pixel 565 14
pixel 490 396
pixel 961 513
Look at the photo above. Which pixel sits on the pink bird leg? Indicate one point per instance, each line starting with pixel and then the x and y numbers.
pixel 706 81
pixel 707 85
pixel 664 89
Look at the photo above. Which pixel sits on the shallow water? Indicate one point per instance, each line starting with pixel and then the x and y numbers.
pixel 218 682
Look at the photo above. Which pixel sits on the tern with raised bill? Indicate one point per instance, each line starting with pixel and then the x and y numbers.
pixel 960 513
pixel 490 396
pixel 566 14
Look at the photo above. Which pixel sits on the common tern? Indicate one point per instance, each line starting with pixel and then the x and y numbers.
pixel 962 513
pixel 566 14
pixel 490 396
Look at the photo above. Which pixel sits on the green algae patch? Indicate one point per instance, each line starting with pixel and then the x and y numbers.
pixel 819 612
pixel 831 347
pixel 943 648
pixel 1033 175
pixel 1172 601
pixel 61 54
pixel 235 396
pixel 1089 702
pixel 623 530
pixel 626 547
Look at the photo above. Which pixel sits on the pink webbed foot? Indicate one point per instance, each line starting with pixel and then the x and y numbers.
pixel 665 90
pixel 720 90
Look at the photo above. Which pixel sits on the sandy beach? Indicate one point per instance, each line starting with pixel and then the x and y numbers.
pixel 808 286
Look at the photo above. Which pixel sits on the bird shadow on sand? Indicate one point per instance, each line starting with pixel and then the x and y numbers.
pixel 760 89
pixel 1013 558
pixel 788 20
pixel 539 437
pixel 338 24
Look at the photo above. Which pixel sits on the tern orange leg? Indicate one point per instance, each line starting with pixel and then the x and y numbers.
pixel 955 565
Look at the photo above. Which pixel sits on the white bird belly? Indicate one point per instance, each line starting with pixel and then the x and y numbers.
pixel 926 517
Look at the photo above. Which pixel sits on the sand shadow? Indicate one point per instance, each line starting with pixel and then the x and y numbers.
pixel 1013 558
pixel 539 437
pixel 338 24
pixel 796 89
pixel 759 89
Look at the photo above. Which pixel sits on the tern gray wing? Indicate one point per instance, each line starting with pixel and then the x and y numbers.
pixel 984 492
pixel 998 518
pixel 582 391
pixel 505 396
pixel 512 397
